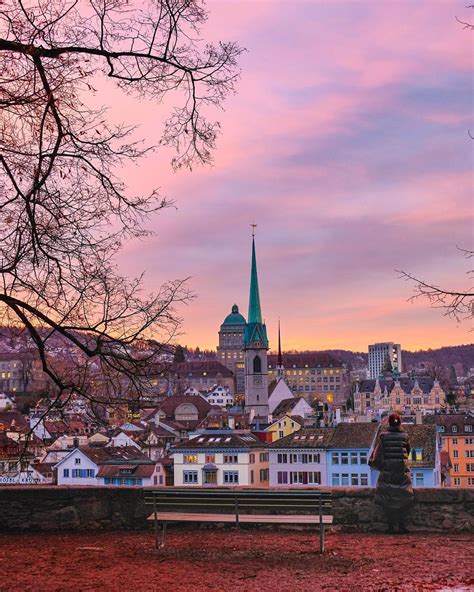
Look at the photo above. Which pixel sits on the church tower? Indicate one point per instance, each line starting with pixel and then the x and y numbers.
pixel 255 349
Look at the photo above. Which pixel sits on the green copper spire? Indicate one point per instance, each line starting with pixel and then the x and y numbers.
pixel 255 312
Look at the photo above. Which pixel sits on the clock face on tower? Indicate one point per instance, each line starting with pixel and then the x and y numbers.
pixel 257 344
pixel 257 381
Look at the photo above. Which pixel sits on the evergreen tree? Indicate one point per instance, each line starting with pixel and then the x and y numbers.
pixel 179 356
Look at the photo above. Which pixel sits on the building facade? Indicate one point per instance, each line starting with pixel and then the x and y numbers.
pixel 318 375
pixel 348 454
pixel 457 440
pixel 300 458
pixel 225 458
pixel 383 356
pixel 230 351
pixel 404 395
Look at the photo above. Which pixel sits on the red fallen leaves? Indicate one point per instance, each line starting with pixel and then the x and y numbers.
pixel 234 560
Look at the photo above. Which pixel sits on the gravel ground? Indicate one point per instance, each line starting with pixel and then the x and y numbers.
pixel 230 559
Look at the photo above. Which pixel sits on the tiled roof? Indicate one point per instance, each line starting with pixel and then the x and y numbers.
pixel 14 419
pixel 206 368
pixel 459 421
pixel 229 440
pixel 407 384
pixel 354 435
pixel 285 406
pixel 421 437
pixel 137 471
pixel 306 438
pixel 122 454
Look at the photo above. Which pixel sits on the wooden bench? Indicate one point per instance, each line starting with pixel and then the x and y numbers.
pixel 239 506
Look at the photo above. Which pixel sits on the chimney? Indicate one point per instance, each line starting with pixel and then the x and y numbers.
pixel 75 442
pixel 418 419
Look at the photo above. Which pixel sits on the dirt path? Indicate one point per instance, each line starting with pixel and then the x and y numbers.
pixel 223 560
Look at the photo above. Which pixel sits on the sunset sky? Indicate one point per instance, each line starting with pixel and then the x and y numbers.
pixel 348 145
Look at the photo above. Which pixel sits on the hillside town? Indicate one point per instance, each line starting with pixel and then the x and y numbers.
pixel 242 417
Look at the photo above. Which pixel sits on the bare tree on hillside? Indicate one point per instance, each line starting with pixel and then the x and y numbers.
pixel 64 210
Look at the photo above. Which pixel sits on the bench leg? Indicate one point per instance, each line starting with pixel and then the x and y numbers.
pixel 163 535
pixel 156 532
pixel 321 538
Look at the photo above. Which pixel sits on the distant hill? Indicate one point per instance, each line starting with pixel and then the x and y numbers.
pixel 444 356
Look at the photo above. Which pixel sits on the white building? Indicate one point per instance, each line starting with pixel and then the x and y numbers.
pixel 300 458
pixel 220 396
pixel 226 458
pixel 85 466
pixel 382 353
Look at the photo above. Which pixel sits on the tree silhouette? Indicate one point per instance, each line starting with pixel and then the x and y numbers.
pixel 64 210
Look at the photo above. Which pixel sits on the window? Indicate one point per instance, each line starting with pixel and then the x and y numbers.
pixel 281 434
pixel 345 479
pixel 190 459
pixel 456 468
pixel 355 480
pixel 77 461
pixel 335 480
pixel 210 459
pixel 230 459
pixel 282 478
pixel 335 458
pixel 457 481
pixel 263 475
pixel 190 477
pixel 282 458
pixel 454 429
pixel 456 453
pixel 364 480
pixel 231 477
pixel 344 458
pixel 469 453
pixel 468 428
pixel 257 365
pixel 419 479
pixel 263 456
pixel 469 467
pixel 354 458
pixel 363 458
pixel 251 458
pixel 469 441
pixel 65 472
pixel 455 441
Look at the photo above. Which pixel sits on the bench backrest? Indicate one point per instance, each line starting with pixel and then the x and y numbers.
pixel 248 501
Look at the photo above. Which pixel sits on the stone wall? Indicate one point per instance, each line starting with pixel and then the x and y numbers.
pixel 89 508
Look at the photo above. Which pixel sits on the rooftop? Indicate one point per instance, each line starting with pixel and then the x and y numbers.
pixel 242 560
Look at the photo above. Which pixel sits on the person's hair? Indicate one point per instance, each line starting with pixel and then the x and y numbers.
pixel 394 419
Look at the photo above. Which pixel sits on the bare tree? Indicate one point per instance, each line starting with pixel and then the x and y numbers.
pixel 64 210
pixel 457 304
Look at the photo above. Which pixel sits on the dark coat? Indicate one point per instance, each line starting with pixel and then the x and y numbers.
pixel 394 489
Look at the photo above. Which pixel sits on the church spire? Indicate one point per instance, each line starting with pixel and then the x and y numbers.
pixel 255 311
pixel 280 358
pixel 279 368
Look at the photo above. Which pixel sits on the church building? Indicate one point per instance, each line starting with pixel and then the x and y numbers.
pixel 243 347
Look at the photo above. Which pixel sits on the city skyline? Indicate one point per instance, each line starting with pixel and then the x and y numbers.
pixel 351 152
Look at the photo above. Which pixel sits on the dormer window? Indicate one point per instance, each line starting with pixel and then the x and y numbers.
pixel 454 429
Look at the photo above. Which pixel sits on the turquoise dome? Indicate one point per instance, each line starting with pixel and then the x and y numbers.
pixel 234 318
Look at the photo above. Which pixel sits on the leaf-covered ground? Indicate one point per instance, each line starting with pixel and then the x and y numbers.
pixel 230 559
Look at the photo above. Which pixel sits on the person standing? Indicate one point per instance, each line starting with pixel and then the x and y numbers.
pixel 394 490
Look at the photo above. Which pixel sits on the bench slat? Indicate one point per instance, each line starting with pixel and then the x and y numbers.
pixel 243 518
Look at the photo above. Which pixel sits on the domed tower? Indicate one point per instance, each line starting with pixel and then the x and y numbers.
pixel 230 348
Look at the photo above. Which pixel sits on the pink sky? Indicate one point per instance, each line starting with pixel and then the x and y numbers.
pixel 347 143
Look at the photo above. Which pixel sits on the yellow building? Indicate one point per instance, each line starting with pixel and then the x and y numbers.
pixel 284 426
